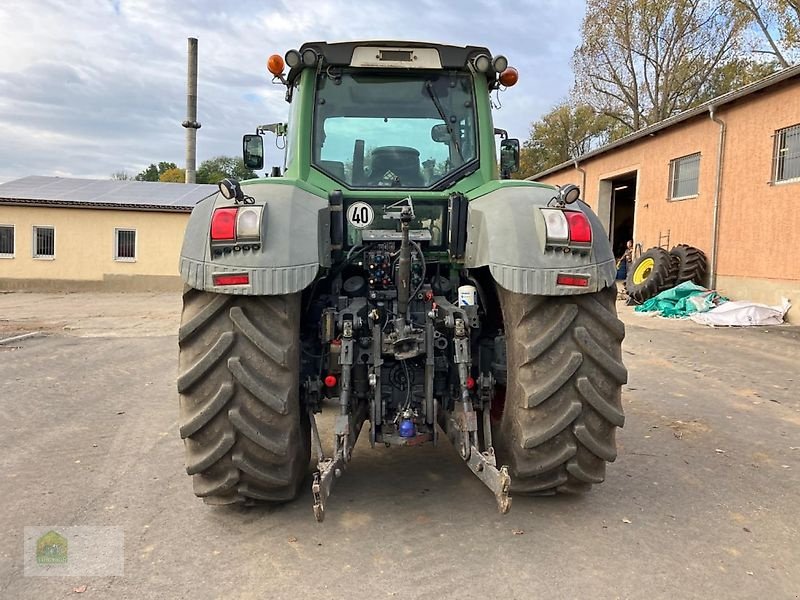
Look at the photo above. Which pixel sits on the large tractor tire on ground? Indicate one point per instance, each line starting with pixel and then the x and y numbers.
pixel 654 272
pixel 246 436
pixel 563 398
pixel 691 264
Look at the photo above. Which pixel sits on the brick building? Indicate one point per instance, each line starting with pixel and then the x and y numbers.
pixel 59 234
pixel 724 177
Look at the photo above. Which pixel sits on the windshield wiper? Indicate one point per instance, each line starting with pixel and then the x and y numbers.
pixel 450 130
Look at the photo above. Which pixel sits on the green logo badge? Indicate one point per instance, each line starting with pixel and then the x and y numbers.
pixel 51 549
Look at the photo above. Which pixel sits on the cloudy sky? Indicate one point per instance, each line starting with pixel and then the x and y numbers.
pixel 92 87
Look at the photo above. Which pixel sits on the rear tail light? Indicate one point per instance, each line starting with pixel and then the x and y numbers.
pixel 237 224
pixel 232 279
pixel 580 231
pixel 566 227
pixel 556 225
pixel 223 224
pixel 572 280
pixel 248 223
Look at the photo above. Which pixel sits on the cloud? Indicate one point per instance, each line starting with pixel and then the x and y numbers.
pixel 91 87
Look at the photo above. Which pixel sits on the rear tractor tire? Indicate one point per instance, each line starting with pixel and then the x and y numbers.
pixel 691 264
pixel 246 436
pixel 563 397
pixel 654 271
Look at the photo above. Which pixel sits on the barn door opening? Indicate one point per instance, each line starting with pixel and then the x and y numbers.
pixel 623 209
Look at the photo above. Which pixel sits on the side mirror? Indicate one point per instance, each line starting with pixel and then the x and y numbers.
pixel 440 134
pixel 253 152
pixel 509 157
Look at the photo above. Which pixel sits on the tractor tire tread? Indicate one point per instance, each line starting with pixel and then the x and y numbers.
pixel 563 398
pixel 246 435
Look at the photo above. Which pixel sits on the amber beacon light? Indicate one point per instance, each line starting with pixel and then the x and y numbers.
pixel 275 65
pixel 509 77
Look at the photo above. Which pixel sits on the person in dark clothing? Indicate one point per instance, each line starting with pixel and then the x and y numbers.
pixel 625 261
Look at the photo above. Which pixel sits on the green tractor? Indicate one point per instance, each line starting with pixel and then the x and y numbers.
pixel 393 273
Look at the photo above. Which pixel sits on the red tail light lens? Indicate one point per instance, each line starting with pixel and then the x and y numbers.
pixel 223 224
pixel 580 231
pixel 235 279
pixel 573 280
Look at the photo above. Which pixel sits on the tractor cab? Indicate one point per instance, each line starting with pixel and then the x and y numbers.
pixel 390 116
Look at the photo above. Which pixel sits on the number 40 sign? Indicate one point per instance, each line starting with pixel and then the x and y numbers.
pixel 360 214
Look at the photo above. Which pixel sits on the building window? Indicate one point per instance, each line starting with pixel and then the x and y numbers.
pixel 684 176
pixel 787 154
pixel 44 242
pixel 125 245
pixel 6 241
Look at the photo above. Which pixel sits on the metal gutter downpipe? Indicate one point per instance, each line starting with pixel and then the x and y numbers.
pixel 712 284
pixel 583 175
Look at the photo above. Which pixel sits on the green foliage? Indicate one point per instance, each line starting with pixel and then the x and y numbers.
pixel 566 132
pixel 215 169
pixel 788 12
pixel 735 74
pixel 175 175
pixel 154 172
pixel 642 61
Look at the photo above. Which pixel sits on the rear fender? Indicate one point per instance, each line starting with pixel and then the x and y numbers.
pixel 295 242
pixel 506 232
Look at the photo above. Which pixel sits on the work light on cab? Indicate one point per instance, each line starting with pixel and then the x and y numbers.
pixel 310 57
pixel 482 63
pixel 293 59
pixel 500 63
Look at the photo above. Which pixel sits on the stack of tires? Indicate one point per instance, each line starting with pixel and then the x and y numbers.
pixel 657 270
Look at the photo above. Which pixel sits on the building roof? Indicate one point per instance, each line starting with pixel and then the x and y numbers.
pixel 101 193
pixel 715 103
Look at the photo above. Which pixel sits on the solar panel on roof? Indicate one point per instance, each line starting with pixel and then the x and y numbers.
pixel 140 194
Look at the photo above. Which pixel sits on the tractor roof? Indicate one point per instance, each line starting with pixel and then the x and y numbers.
pixel 390 54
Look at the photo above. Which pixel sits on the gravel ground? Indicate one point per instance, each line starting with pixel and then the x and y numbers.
pixel 701 503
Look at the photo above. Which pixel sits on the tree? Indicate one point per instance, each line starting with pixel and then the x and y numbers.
pixel 777 22
pixel 153 172
pixel 734 75
pixel 642 61
pixel 176 175
pixel 215 169
pixel 566 132
pixel 120 176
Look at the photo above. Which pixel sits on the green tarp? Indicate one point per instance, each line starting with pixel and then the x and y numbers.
pixel 682 301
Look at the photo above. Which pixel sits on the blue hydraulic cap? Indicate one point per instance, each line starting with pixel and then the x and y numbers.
pixel 407 428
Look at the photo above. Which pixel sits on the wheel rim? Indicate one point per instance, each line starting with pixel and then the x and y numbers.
pixel 643 270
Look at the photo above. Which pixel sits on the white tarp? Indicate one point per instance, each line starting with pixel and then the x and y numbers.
pixel 742 314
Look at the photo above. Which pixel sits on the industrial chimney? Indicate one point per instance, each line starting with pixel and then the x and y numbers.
pixel 191 123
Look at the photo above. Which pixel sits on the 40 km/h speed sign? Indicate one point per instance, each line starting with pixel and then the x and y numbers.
pixel 360 214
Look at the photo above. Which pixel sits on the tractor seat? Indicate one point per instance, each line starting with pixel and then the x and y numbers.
pixel 400 161
pixel 334 167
